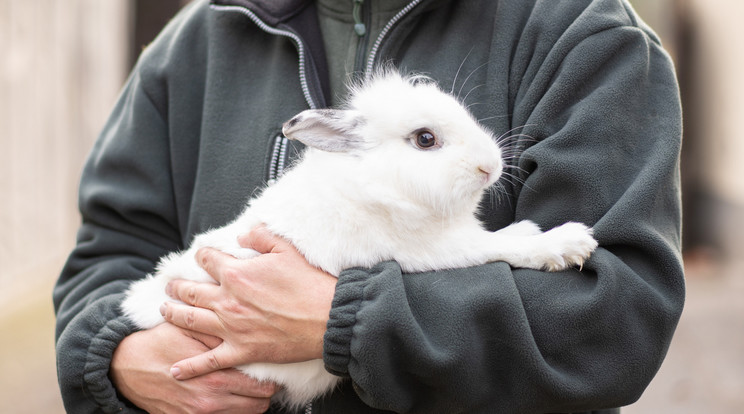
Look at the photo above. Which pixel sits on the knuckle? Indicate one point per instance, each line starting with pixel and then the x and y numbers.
pixel 189 318
pixel 211 406
pixel 231 275
pixel 214 383
pixel 204 404
pixel 213 361
pixel 189 367
pixel 230 306
pixel 191 294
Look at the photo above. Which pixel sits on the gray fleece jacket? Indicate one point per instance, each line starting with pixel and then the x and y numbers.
pixel 197 130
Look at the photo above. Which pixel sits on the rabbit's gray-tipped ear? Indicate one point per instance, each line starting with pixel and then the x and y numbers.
pixel 332 130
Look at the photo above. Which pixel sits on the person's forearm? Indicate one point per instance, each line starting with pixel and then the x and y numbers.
pixel 483 337
pixel 84 350
pixel 117 243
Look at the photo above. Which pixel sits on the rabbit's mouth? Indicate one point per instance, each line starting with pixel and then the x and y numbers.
pixel 488 175
pixel 485 175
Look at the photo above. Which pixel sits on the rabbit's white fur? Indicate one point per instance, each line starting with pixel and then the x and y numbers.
pixel 363 193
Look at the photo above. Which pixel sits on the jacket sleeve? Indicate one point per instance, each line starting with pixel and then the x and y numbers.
pixel 603 108
pixel 126 202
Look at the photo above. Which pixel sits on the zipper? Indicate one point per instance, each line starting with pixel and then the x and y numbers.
pixel 279 152
pixel 383 34
pixel 286 33
pixel 278 158
pixel 308 408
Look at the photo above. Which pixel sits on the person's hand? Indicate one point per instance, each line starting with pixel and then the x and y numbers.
pixel 140 372
pixel 271 308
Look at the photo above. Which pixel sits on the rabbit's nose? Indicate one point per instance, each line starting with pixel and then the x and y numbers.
pixel 490 171
pixel 486 172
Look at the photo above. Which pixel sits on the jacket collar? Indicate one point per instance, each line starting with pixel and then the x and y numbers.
pixel 299 16
pixel 272 12
pixel 275 12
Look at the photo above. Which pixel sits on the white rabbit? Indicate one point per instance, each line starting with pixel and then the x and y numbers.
pixel 396 175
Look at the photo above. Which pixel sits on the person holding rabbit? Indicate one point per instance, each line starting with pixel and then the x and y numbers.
pixel 198 130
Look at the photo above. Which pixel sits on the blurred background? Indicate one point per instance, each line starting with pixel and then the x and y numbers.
pixel 63 64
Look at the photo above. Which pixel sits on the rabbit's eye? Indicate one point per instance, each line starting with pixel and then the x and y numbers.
pixel 425 139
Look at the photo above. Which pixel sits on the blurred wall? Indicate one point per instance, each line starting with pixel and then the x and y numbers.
pixel 717 76
pixel 704 38
pixel 63 65
pixel 713 92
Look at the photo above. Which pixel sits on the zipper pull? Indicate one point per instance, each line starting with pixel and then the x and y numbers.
pixel 359 28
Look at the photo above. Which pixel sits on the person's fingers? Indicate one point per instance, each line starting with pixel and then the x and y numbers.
pixel 245 405
pixel 216 263
pixel 231 403
pixel 208 340
pixel 201 294
pixel 240 384
pixel 193 318
pixel 261 240
pixel 213 360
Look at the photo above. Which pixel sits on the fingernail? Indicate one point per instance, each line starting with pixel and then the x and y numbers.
pixel 168 289
pixel 175 371
pixel 162 309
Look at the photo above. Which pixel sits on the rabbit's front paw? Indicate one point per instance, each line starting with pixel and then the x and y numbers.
pixel 570 245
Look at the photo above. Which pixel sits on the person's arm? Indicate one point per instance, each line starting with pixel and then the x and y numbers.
pixel 131 217
pixel 605 114
pixel 128 223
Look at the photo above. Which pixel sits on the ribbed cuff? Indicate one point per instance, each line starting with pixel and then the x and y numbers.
pixel 96 372
pixel 346 304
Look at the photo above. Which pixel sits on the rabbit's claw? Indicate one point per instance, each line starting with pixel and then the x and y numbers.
pixel 567 246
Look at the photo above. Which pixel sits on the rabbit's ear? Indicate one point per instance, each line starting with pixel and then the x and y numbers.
pixel 332 130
